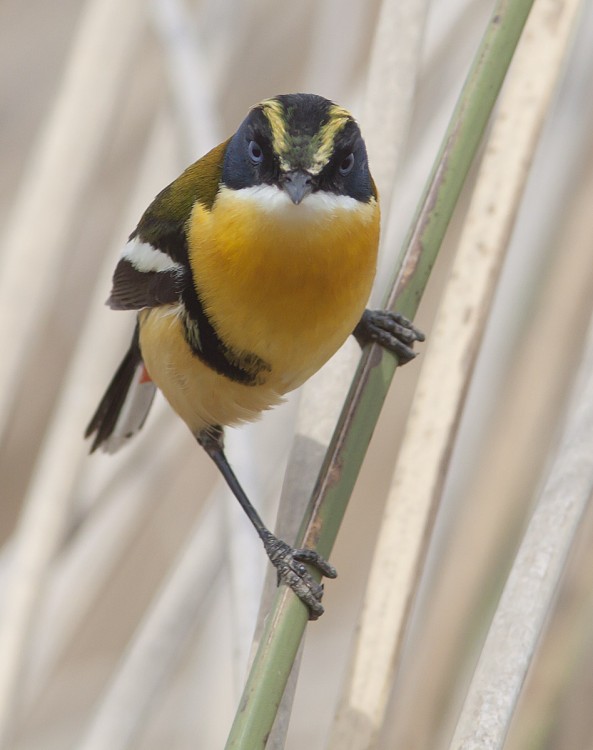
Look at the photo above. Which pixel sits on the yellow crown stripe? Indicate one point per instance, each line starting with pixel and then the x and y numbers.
pixel 338 117
pixel 274 112
pixel 324 140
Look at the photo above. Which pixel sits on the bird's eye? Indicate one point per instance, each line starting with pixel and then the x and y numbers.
pixel 347 164
pixel 255 152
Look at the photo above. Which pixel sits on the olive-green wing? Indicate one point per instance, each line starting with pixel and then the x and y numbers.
pixel 154 269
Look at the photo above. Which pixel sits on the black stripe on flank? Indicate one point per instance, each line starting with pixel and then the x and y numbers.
pixel 202 337
pixel 200 334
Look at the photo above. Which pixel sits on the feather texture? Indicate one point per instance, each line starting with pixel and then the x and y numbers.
pixel 126 403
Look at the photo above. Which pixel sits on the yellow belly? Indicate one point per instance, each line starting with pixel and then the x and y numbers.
pixel 201 396
pixel 287 283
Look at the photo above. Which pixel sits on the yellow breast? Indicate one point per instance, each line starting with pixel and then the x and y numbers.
pixel 286 282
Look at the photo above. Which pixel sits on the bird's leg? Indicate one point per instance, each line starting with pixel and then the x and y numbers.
pixel 288 561
pixel 390 330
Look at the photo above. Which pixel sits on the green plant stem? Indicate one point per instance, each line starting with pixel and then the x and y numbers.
pixel 288 618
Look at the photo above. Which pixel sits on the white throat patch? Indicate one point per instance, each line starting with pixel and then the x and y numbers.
pixel 272 199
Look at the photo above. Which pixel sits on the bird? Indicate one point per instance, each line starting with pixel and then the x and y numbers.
pixel 247 273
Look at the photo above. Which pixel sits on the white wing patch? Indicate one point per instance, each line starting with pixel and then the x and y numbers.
pixel 146 258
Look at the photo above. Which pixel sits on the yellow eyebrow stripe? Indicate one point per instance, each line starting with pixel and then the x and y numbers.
pixel 338 117
pixel 323 140
pixel 274 112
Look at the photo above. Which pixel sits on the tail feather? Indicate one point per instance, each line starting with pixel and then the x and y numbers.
pixel 125 405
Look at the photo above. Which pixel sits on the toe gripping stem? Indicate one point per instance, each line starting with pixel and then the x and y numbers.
pixel 291 566
pixel 390 330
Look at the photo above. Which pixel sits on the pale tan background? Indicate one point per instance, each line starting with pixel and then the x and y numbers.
pixel 266 49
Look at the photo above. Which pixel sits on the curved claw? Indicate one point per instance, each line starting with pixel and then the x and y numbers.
pixel 312 557
pixel 291 563
pixel 390 330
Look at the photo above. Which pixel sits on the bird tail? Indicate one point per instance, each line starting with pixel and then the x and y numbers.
pixel 125 405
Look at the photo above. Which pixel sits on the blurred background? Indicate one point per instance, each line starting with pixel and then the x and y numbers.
pixel 102 103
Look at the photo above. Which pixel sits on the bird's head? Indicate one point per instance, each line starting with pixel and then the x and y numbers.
pixel 301 144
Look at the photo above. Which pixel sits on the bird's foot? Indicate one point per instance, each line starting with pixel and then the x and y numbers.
pixel 391 331
pixel 291 565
